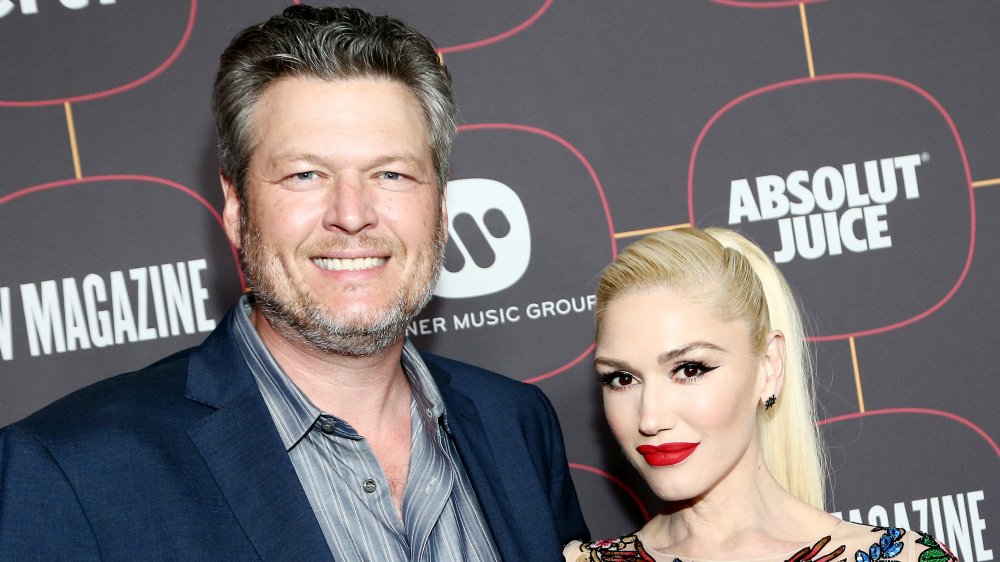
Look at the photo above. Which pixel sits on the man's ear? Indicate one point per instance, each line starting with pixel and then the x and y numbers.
pixel 444 210
pixel 773 365
pixel 231 210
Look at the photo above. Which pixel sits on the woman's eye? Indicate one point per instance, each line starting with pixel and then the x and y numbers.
pixel 618 380
pixel 691 371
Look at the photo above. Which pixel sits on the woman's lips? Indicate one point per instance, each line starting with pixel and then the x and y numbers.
pixel 666 454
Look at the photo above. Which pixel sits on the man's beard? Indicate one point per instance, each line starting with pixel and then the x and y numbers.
pixel 288 305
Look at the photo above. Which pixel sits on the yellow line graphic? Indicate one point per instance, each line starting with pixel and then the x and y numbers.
pixel 72 140
pixel 805 37
pixel 985 183
pixel 634 233
pixel 857 376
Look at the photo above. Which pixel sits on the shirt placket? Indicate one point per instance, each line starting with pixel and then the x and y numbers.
pixel 428 491
pixel 366 481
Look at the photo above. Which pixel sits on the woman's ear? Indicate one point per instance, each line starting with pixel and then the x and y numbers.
pixel 773 365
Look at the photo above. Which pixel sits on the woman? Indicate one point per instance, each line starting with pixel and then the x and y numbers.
pixel 707 387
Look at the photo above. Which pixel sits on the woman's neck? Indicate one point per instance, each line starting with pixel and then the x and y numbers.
pixel 747 516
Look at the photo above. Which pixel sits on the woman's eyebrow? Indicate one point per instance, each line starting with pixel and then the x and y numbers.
pixel 673 354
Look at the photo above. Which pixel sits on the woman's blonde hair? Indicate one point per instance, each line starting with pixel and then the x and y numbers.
pixel 739 281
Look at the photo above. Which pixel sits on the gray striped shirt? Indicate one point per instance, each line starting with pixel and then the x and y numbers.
pixel 346 486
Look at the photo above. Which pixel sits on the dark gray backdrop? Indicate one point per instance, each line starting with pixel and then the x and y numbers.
pixel 584 124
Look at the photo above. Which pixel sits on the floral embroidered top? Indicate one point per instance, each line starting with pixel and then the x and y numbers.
pixel 847 542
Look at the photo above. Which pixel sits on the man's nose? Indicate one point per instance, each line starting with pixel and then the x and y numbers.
pixel 350 205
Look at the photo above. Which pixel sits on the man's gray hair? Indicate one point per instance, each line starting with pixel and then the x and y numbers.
pixel 330 44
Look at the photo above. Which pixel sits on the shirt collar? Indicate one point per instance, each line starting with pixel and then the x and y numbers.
pixel 292 411
pixel 425 390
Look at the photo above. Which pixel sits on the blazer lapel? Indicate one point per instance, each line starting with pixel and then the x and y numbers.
pixel 484 474
pixel 245 455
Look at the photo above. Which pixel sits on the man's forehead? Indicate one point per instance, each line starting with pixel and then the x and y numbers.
pixel 277 95
pixel 280 89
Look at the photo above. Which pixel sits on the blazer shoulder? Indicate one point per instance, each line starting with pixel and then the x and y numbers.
pixel 475 380
pixel 492 394
pixel 119 401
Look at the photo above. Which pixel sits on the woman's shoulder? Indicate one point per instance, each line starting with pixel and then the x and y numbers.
pixel 846 541
pixel 867 543
pixel 627 547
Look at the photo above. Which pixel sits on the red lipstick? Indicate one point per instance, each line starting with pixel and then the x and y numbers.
pixel 666 454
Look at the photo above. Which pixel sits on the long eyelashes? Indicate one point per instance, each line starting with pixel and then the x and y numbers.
pixel 616 380
pixel 690 371
pixel 683 373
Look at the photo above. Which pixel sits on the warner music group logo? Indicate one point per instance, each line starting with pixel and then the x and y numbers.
pixel 489 251
pixel 30 7
pixel 830 210
pixel 524 249
pixel 489 237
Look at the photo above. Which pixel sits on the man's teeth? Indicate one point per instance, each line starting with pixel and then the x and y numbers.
pixel 348 264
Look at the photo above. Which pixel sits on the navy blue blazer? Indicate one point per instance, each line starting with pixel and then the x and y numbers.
pixel 181 461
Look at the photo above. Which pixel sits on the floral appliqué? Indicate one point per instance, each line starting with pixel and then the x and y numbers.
pixel 935 551
pixel 629 549
pixel 808 554
pixel 889 545
pixel 622 549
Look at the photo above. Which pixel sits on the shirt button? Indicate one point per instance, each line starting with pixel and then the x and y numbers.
pixel 327 426
pixel 369 486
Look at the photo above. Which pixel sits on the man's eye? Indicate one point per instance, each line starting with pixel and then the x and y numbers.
pixel 305 176
pixel 391 175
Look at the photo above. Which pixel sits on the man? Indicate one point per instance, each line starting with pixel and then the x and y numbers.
pixel 306 425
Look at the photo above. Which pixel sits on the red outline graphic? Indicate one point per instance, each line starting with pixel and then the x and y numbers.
pixel 917 411
pixel 586 353
pixel 616 482
pixel 600 193
pixel 133 177
pixel 124 87
pixel 765 4
pixel 857 76
pixel 497 38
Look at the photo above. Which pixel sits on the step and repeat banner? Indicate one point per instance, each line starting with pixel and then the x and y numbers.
pixel 857 141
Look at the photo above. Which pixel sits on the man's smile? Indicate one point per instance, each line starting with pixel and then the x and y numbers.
pixel 349 264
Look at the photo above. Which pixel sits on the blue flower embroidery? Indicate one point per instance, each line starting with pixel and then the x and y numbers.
pixel 888 546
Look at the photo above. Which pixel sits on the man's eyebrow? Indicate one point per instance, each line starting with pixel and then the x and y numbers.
pixel 310 157
pixel 315 158
pixel 404 157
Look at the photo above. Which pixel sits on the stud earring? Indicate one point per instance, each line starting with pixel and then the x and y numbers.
pixel 770 402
